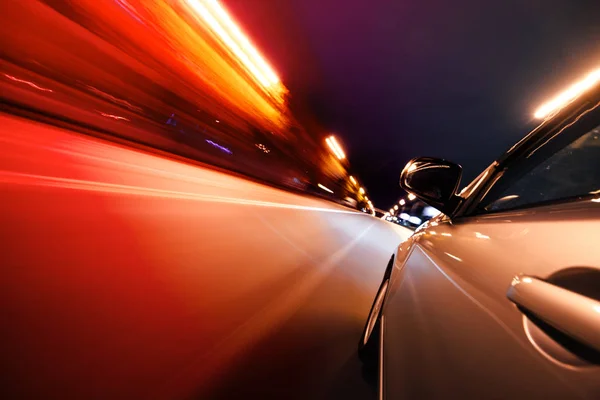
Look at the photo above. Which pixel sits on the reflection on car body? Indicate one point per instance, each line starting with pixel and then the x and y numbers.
pixel 499 296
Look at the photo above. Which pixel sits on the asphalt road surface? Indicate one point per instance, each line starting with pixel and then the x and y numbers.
pixel 128 275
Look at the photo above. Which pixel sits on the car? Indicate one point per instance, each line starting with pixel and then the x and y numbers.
pixel 498 296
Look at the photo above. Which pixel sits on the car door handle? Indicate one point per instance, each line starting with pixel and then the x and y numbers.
pixel 571 313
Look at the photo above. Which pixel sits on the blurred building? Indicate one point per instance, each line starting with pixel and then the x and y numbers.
pixel 163 75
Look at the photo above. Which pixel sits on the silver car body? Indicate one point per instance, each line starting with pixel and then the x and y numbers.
pixel 450 325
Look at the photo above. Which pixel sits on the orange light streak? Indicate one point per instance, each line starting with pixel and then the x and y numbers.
pixel 568 95
pixel 227 30
pixel 33 85
pixel 338 148
pixel 243 40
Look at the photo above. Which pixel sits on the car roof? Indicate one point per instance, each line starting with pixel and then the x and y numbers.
pixel 582 103
pixel 538 136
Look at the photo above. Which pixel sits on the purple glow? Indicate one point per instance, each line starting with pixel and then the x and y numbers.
pixel 218 146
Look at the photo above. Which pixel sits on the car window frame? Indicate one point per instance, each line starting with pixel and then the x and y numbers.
pixel 539 137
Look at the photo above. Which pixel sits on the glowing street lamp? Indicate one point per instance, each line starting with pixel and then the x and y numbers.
pixel 220 22
pixel 335 147
pixel 402 202
pixel 411 197
pixel 568 95
pixel 352 180
pixel 325 188
pixel 395 207
pixel 391 210
pixel 361 191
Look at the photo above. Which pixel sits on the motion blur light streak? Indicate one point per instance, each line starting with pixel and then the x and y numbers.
pixel 129 10
pixel 453 256
pixel 114 116
pixel 335 147
pixel 218 146
pixel 33 85
pixel 568 95
pixel 259 61
pixel 352 180
pixel 325 188
pixel 330 144
pixel 222 25
pixel 209 59
pixel 113 99
pixel 16 178
pixel 263 148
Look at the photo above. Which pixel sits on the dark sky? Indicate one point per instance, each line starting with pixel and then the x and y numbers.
pixel 396 79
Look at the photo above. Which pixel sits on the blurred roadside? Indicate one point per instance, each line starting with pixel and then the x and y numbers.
pixel 152 74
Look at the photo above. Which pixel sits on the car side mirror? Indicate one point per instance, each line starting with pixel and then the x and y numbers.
pixel 434 181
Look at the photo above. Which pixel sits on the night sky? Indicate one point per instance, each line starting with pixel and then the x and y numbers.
pixel 396 79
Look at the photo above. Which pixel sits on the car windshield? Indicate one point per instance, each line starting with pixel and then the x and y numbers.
pixel 566 167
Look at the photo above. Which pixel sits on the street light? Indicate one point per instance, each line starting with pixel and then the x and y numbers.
pixel 325 188
pixel 391 210
pixel 335 147
pixel 352 180
pixel 361 191
pixel 402 202
pixel 568 95
pixel 221 23
pixel 411 196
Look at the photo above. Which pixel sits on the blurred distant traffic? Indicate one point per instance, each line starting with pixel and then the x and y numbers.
pixel 178 76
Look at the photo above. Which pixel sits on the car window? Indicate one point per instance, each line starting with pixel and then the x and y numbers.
pixel 566 167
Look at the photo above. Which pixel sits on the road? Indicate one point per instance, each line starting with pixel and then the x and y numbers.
pixel 128 275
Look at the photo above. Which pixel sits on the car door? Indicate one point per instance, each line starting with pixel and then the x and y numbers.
pixel 501 301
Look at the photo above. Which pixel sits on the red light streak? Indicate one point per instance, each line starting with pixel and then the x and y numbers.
pixel 114 116
pixel 33 85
